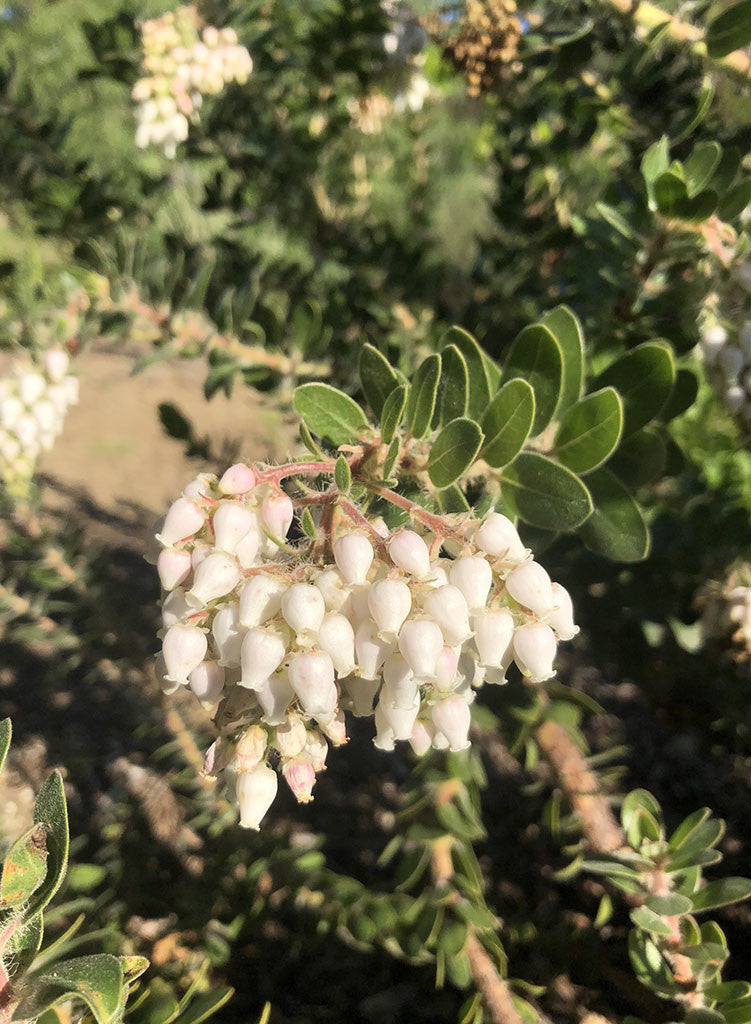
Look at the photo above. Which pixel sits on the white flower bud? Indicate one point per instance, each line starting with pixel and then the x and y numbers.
pixel 451 717
pixel 336 594
pixel 409 552
pixel 530 586
pixel 494 631
pixel 421 643
pixel 300 776
pixel 255 793
pixel 421 739
pixel 534 650
pixel 46 416
pixel 316 749
pixel 31 387
pixel 474 577
pixel 11 410
pixel 175 607
pixel 337 638
pixel 261 655
pixel 353 554
pixel 207 682
pixel 216 576
pixel 446 668
pixel 275 696
pixel 231 522
pixel 200 553
pixel 399 681
pixel 246 551
pixel 227 635
pixel 261 599
pixel 359 694
pixel 303 608
pixel 182 521
pixel 250 749
pixel 439 573
pixel 56 363
pixel 336 729
pixel 448 607
pixel 290 736
pixel 389 602
pixel 238 479
pixel 400 720
pixel 371 649
pixel 199 487
pixel 173 567
pixel 562 616
pixel 312 677
pixel 277 513
pixel 184 647
pixel 735 397
pixel 497 536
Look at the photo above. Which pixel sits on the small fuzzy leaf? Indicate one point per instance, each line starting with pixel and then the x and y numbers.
pixel 453 451
pixel 422 395
pixel 590 430
pixel 97 980
pixel 307 439
pixel 646 919
pixel 638 798
pixel 377 378
pixel 537 358
pixel 479 367
pixel 6 731
pixel 545 494
pixel 507 422
pixel 565 327
pixel 24 868
pixel 25 945
pixel 671 905
pixel 453 387
pixel 721 892
pixel 329 413
pixel 391 456
pixel 342 475
pixel 644 380
pixel 307 524
pixel 616 528
pixel 730 30
pixel 687 827
pixel 393 412
pixel 51 812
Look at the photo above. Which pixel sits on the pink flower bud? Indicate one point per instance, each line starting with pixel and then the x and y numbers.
pixel 182 521
pixel 445 668
pixel 534 651
pixel 56 363
pixel 451 717
pixel 262 653
pixel 399 682
pixel 275 696
pixel 337 638
pixel 173 567
pixel 174 607
pixel 530 586
pixel 312 677
pixel 389 602
pixel 300 777
pixel 421 643
pixel 358 694
pixel 336 594
pixel 250 749
pixel 409 552
pixel 562 616
pixel 215 576
pixel 231 522
pixel 474 577
pixel 207 682
pixel 421 739
pixel 316 749
pixel 184 647
pixel 497 536
pixel 199 487
pixel 261 599
pixel 246 551
pixel 371 650
pixel 277 513
pixel 238 479
pixel 336 729
pixel 400 720
pixel 449 609
pixel 255 794
pixel 303 608
pixel 494 630
pixel 227 635
pixel 353 555
pixel 290 736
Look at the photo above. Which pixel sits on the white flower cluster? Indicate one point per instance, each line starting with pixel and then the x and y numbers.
pixel 728 363
pixel 182 64
pixel 726 611
pixel 33 404
pixel 392 627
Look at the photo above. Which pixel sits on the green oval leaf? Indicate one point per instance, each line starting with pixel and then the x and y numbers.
pixel 453 387
pixel 24 867
pixel 670 905
pixel 507 422
pixel 422 395
pixel 453 451
pixel 545 494
pixel 735 200
pixel 730 30
pixel 342 475
pixel 647 920
pixel 377 378
pixel 683 395
pixel 644 379
pixel 51 812
pixel 566 329
pixel 393 412
pixel 97 980
pixel 536 357
pixel 590 431
pixel 640 459
pixel 701 165
pixel 329 413
pixel 482 372
pixel 721 892
pixel 616 528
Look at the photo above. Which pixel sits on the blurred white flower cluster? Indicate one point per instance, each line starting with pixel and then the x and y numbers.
pixel 183 62
pixel 727 358
pixel 33 402
pixel 726 611
pixel 389 626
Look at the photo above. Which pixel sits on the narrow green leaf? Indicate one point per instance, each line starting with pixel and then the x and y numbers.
pixel 702 109
pixel 307 439
pixel 536 357
pixel 590 431
pixel 721 892
pixel 646 919
pixel 453 387
pixel 51 812
pixel 6 731
pixel 479 367
pixel 422 395
pixel 545 494
pixel 377 378
pixel 644 379
pixel 205 1005
pixel 567 331
pixel 453 451
pixel 393 412
pixel 703 1015
pixel 730 30
pixel 654 163
pixel 391 456
pixel 701 165
pixel 687 826
pixel 342 475
pixel 24 867
pixel 507 422
pixel 329 413
pixel 307 524
pixel 616 528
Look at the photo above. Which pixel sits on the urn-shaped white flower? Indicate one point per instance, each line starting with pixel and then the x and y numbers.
pixel 174 567
pixel 184 647
pixel 207 682
pixel 311 675
pixel 337 638
pixel 451 717
pixel 389 602
pixel 231 522
pixel 494 630
pixel 261 599
pixel 371 649
pixel 448 606
pixel 238 479
pixel 409 552
pixel 421 643
pixel 255 793
pixel 353 554
pixel 474 577
pixel 275 696
pixel 228 636
pixel 183 519
pixel 534 650
pixel 562 616
pixel 530 585
pixel 303 608
pixel 216 576
pixel 497 536
pixel 261 654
